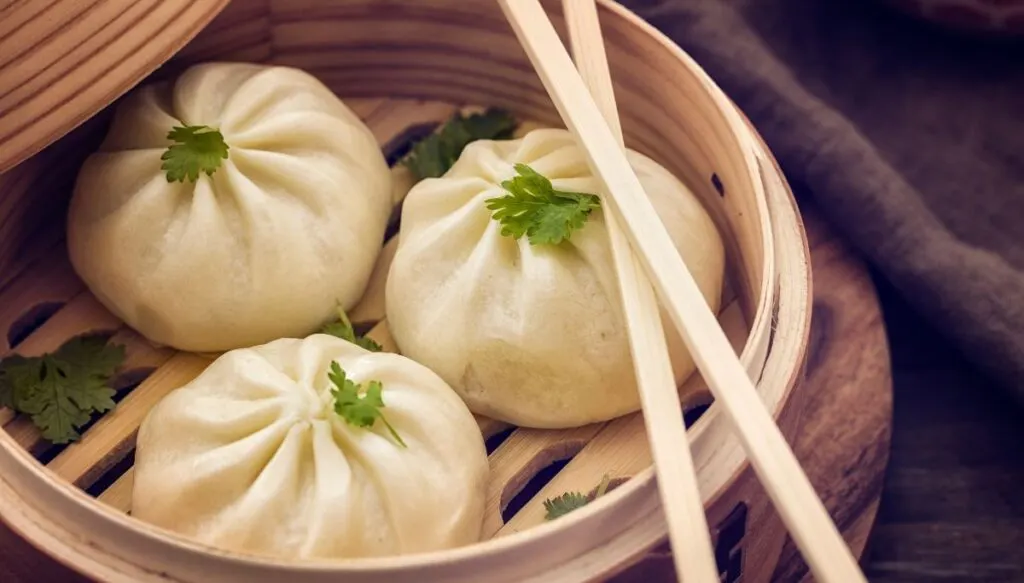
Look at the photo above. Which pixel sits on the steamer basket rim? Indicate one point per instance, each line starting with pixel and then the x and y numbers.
pixel 642 480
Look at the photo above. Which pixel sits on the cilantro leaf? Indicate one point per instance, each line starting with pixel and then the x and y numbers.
pixel 492 124
pixel 343 329
pixel 196 149
pixel 15 371
pixel 569 501
pixel 368 343
pixel 61 390
pixel 435 154
pixel 91 354
pixel 564 504
pixel 360 411
pixel 52 406
pixel 6 391
pixel 534 208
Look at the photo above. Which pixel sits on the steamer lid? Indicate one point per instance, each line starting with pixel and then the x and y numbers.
pixel 62 61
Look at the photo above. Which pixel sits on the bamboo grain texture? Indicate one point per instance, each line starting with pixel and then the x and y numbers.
pixel 61 62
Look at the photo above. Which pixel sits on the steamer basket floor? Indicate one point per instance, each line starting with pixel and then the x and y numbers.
pixel 76 508
pixel 848 379
pixel 47 304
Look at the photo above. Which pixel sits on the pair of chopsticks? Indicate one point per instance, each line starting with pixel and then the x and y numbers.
pixel 585 100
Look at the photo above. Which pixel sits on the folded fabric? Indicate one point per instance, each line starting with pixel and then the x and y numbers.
pixel 909 138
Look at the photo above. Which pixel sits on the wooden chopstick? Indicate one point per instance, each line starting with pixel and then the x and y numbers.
pixel 689 535
pixel 803 513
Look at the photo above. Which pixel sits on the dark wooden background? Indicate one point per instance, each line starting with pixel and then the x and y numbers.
pixel 953 504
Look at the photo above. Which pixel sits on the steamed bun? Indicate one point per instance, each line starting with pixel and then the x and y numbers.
pixel 532 335
pixel 252 457
pixel 285 230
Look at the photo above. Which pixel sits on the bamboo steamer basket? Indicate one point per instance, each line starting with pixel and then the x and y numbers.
pixel 405 66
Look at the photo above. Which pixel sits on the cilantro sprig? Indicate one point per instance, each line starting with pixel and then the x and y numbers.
pixel 60 391
pixel 437 153
pixel 534 208
pixel 196 149
pixel 343 329
pixel 355 409
pixel 569 501
pixel 564 504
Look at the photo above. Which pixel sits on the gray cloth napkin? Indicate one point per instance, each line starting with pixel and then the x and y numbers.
pixel 909 138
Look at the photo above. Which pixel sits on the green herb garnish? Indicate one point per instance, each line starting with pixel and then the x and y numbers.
pixel 361 411
pixel 61 390
pixel 564 504
pixel 343 329
pixel 534 208
pixel 569 501
pixel 437 153
pixel 196 149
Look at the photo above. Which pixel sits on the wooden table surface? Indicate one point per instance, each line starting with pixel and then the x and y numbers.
pixel 952 507
pixel 953 504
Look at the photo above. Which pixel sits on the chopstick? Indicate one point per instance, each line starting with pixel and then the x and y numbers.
pixel 688 531
pixel 805 516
